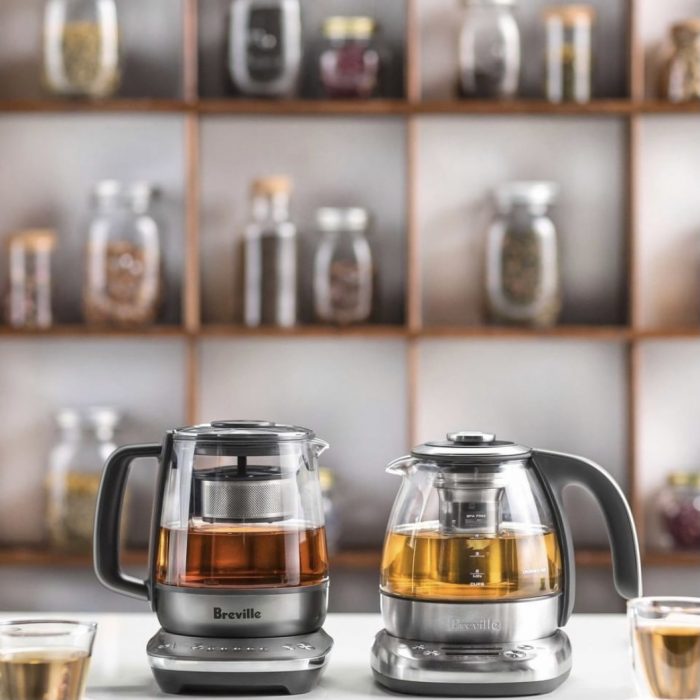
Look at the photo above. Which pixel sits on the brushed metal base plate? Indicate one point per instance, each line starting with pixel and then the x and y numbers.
pixel 506 669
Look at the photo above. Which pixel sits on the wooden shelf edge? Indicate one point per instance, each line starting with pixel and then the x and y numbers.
pixel 126 104
pixel 83 331
pixel 303 331
pixel 516 333
pixel 522 107
pixel 213 106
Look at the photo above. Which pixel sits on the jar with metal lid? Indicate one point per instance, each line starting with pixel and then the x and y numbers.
pixel 343 266
pixel 522 256
pixel 679 509
pixel 682 74
pixel 29 278
pixel 489 49
pixel 85 440
pixel 81 47
pixel 569 58
pixel 123 276
pixel 265 48
pixel 270 256
pixel 350 62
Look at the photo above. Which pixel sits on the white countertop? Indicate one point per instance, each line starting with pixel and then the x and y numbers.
pixel 119 669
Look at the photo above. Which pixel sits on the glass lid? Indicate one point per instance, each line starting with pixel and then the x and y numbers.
pixel 244 432
pixel 467 446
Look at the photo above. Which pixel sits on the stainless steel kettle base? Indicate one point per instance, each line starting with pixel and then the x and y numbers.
pixel 183 664
pixel 469 670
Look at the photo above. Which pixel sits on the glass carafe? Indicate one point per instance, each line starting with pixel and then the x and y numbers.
pixel 522 256
pixel 86 439
pixel 123 280
pixel 81 47
pixel 343 266
pixel 489 49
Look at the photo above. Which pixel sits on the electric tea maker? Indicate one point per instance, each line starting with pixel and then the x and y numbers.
pixel 238 564
pixel 477 573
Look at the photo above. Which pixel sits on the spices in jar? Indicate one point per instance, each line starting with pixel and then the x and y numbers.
pixel 270 256
pixel 29 279
pixel 489 49
pixel 522 256
pixel 679 509
pixel 682 74
pixel 569 59
pixel 81 47
pixel 86 439
pixel 123 279
pixel 350 62
pixel 265 47
pixel 343 266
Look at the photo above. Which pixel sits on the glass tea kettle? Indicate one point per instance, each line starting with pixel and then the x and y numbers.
pixel 478 562
pixel 238 522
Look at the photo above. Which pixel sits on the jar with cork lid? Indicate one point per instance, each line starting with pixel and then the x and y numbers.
pixel 29 278
pixel 569 57
pixel 270 256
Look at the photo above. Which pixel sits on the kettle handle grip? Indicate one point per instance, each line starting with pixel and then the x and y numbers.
pixel 560 470
pixel 110 500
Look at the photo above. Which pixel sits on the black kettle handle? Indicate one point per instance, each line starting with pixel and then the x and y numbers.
pixel 110 499
pixel 558 471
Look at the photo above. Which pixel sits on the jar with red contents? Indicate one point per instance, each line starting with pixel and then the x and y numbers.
pixel 679 509
pixel 350 62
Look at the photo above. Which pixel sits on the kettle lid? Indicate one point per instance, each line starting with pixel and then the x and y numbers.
pixel 465 445
pixel 244 432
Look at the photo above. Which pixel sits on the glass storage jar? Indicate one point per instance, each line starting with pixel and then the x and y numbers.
pixel 489 49
pixel 265 48
pixel 270 256
pixel 679 509
pixel 350 62
pixel 86 439
pixel 343 266
pixel 123 281
pixel 81 47
pixel 682 75
pixel 330 511
pixel 522 256
pixel 569 58
pixel 29 279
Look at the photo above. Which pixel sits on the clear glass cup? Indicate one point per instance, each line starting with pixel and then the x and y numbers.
pixel 44 659
pixel 665 638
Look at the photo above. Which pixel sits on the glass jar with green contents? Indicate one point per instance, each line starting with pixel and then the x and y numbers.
pixel 569 61
pixel 85 440
pixel 81 48
pixel 522 256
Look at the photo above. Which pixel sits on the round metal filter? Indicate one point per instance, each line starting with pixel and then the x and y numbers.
pixel 467 446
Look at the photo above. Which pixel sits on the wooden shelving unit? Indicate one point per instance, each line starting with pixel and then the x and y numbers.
pixel 192 331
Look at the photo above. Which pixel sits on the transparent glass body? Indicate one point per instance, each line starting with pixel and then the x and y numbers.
pixel 343 277
pixel 242 516
pixel 123 280
pixel 85 441
pixel 29 279
pixel 665 638
pixel 470 533
pixel 489 50
pixel 270 261
pixel 682 76
pixel 569 57
pixel 81 48
pixel 522 265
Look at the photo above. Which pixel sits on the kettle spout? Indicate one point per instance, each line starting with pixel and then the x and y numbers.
pixel 319 446
pixel 400 466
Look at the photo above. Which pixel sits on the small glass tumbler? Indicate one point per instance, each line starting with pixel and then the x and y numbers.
pixel 44 659
pixel 665 638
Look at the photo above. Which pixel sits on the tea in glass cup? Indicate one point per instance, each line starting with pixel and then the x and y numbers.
pixel 666 646
pixel 44 659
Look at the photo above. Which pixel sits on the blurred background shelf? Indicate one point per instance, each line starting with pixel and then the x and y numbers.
pixel 83 331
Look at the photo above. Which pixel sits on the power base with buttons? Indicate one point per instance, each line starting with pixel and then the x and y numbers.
pixel 468 670
pixel 183 664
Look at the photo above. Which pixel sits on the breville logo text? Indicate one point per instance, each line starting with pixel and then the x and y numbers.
pixel 245 614
pixel 482 625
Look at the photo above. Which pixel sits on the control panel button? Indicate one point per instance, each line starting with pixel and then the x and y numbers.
pixel 418 647
pixel 431 652
pixel 514 654
pixel 305 647
pixel 198 647
pixel 526 647
pixel 287 647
